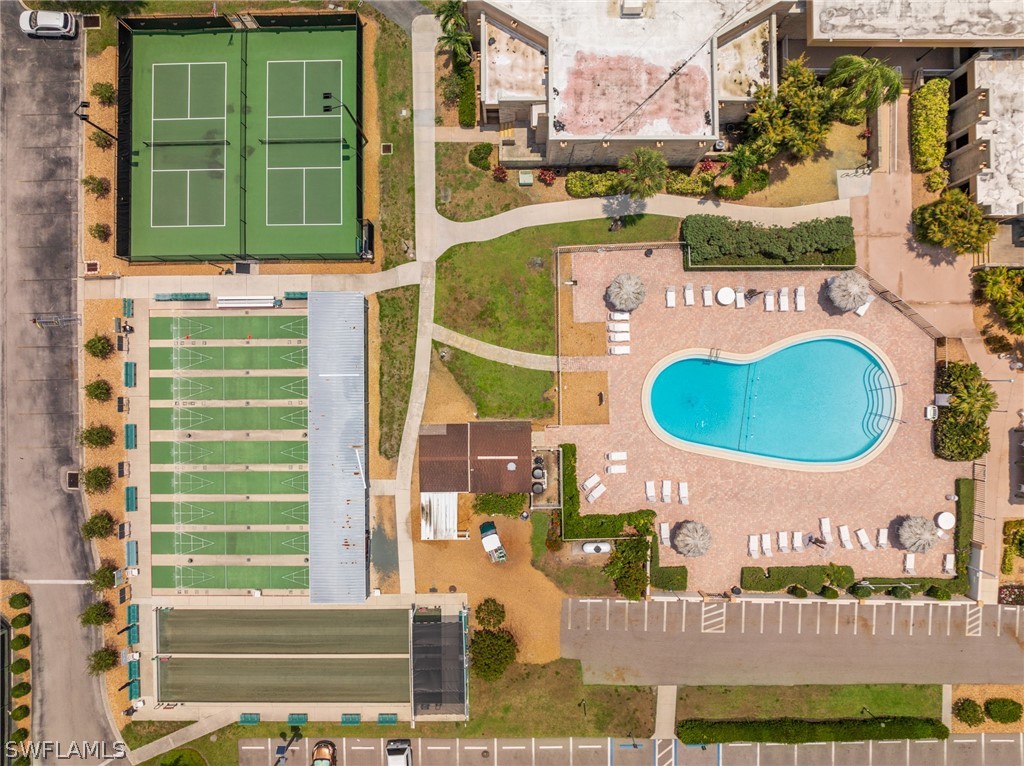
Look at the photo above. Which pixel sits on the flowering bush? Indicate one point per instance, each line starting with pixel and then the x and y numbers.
pixel 1011 594
pixel 500 173
pixel 546 176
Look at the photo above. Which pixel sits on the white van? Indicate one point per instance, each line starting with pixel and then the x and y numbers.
pixel 48 24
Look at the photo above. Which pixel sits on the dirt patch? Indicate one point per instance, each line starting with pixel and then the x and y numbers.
pixel 993 329
pixel 449 113
pixel 576 338
pixel 981 692
pixel 446 401
pixel 584 398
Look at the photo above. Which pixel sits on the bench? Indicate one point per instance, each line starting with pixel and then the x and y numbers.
pixel 134 690
pixel 131 433
pixel 131 553
pixel 128 307
pixel 351 719
pixel 248 719
pixel 181 297
pixel 133 614
pixel 297 719
pixel 122 404
pixel 129 374
pixel 133 635
pixel 123 469
pixel 131 499
pixel 387 719
pixel 295 295
pixel 133 670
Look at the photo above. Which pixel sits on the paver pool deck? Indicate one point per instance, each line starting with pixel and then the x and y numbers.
pixel 736 499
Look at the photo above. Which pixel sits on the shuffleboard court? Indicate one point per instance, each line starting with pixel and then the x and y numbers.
pixel 273 631
pixel 228 388
pixel 229 453
pixel 227 418
pixel 228 358
pixel 229 577
pixel 229 483
pixel 227 679
pixel 230 543
pixel 211 513
pixel 227 327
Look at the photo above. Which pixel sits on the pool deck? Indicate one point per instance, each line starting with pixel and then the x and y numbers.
pixel 736 499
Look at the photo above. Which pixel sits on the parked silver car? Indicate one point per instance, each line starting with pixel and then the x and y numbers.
pixel 48 24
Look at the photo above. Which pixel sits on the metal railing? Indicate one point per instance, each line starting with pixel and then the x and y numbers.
pixel 900 305
pixel 979 471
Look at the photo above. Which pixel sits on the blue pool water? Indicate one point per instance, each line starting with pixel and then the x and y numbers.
pixel 825 400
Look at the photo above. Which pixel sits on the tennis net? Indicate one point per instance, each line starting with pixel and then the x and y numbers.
pixel 301 140
pixel 205 142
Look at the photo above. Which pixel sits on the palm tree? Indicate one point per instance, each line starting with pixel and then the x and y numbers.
pixel 849 290
pixel 459 44
pixel 866 83
pixel 647 172
pixel 996 285
pixel 691 538
pixel 449 14
pixel 973 400
pixel 626 292
pixel 741 161
pixel 918 534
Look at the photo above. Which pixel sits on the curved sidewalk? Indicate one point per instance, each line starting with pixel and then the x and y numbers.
pixel 494 353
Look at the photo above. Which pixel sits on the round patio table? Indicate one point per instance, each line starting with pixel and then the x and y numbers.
pixel 726 295
pixel 945 520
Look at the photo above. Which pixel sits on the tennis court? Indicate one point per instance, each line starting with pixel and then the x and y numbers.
pixel 228 358
pixel 227 327
pixel 227 418
pixel 227 453
pixel 211 513
pixel 231 543
pixel 229 483
pixel 226 388
pixel 229 577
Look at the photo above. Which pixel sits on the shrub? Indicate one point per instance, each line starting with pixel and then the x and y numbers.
pixel 100 231
pixel 451 88
pixel 98 526
pixel 961 431
pixel 900 592
pixel 696 185
pixel 546 176
pixel 22 620
pixel 968 711
pixel 795 731
pixel 715 238
pixel 958 440
pixel 96 185
pixel 861 591
pixel 105 93
pixel 929 113
pixel 754 181
pixel 955 221
pixel 21 690
pixel 580 183
pixel 796 591
pixel 627 564
pixel 103 578
pixel 829 592
pixel 500 173
pixel 937 180
pixel 102 660
pixel 20 665
pixel 491 504
pixel 101 139
pixel 97 480
pixel 20 641
pixel 644 171
pixel 491 652
pixel 811 578
pixel 840 576
pixel 480 156
pixel 96 436
pixel 99 390
pixel 19 601
pixel 667 578
pixel 1003 710
pixel 98 613
pixel 598 525
pixel 20 713
pixel 99 346
pixel 467 97
pixel 19 735
pixel 490 613
pixel 937 593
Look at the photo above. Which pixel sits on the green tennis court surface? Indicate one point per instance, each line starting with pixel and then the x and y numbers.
pixel 229 483
pixel 231 543
pixel 225 453
pixel 228 358
pixel 228 388
pixel 273 631
pixel 231 577
pixel 228 512
pixel 227 418
pixel 227 327
pixel 229 679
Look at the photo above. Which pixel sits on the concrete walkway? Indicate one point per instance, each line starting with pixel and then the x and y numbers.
pixel 495 353
pixel 206 725
pixel 665 713
pixel 466 135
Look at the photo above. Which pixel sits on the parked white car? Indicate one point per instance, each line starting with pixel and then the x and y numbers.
pixel 599 547
pixel 48 24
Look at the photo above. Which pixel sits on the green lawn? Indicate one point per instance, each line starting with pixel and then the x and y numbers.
pixel 503 291
pixel 576 580
pixel 183 756
pixel 139 733
pixel 500 390
pixel 399 313
pixel 811 702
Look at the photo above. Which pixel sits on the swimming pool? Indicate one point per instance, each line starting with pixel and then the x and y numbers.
pixel 812 403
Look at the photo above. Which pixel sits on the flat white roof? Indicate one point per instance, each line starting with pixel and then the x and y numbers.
pixel 1000 188
pixel 514 66
pixel 910 20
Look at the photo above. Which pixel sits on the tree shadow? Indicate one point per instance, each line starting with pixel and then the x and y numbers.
pixel 937 256
pixel 624 210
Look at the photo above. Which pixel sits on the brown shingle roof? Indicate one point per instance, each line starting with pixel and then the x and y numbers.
pixel 475 457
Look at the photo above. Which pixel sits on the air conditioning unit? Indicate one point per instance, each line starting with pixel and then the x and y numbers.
pixel 632 9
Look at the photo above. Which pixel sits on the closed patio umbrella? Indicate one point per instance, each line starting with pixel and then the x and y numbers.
pixel 849 290
pixel 626 292
pixel 918 534
pixel 691 538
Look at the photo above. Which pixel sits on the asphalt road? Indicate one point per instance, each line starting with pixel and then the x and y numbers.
pixel 793 642
pixel 402 12
pixel 958 750
pixel 40 146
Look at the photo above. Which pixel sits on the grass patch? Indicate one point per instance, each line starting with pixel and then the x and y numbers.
pixel 538 534
pixel 139 733
pixel 666 578
pixel 503 291
pixel 183 756
pixel 399 315
pixel 794 731
pixel 817 702
pixel 500 390
pixel 580 581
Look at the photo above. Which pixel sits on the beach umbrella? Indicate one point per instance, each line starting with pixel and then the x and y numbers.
pixel 691 538
pixel 918 534
pixel 626 292
pixel 849 290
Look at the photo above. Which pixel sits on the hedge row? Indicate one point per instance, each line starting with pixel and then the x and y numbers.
pixel 687 185
pixel 1013 535
pixel 717 239
pixel 795 731
pixel 666 578
pixel 580 183
pixel 929 113
pixel 600 525
pixel 812 578
pixel 467 97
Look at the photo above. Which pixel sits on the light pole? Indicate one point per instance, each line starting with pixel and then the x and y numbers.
pixel 80 114
pixel 328 108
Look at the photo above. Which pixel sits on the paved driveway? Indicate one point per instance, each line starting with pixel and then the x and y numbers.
pixel 40 144
pixel 756 642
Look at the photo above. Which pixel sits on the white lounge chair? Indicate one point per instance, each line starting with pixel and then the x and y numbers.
pixel 931 412
pixel 908 564
pixel 766 544
pixel 616 468
pixel 799 299
pixel 617 456
pixel 618 327
pixel 863 309
pixel 784 299
pixel 798 542
pixel 618 350
pixel 769 300
pixel 663 529
pixel 618 316
pixel 705 293
pixel 826 530
pixel 883 537
pixel 688 295
pixel 949 564
pixel 844 536
pixel 864 540
pixel 670 298
pixel 783 542
pixel 599 490
pixel 684 493
pixel 666 491
pixel 590 483
pixel 618 337
pixel 741 298
pixel 752 547
pixel 649 488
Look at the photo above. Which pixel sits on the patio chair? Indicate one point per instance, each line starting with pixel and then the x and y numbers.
pixel 705 293
pixel 949 564
pixel 908 564
pixel 864 540
pixel 688 295
pixel 618 350
pixel 844 536
pixel 798 542
pixel 769 300
pixel 616 468
pixel 783 542
pixel 784 299
pixel 599 490
pixel 862 310
pixel 663 530
pixel 616 456
pixel 766 544
pixel 670 298
pixel 741 299
pixel 618 316
pixel 752 547
pixel 666 491
pixel 618 337
pixel 799 299
pixel 931 412
pixel 883 537
pixel 684 493
pixel 826 530
pixel 649 488
pixel 618 327
pixel 590 483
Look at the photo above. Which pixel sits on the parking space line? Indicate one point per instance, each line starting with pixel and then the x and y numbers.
pixel 588 615
pixel 871 753
pixel 892 632
pixel 743 617
pixel 533 749
pixel 817 626
pixel 930 618
pixel 664 616
pixel 762 617
pixel 608 615
pixel 570 751
pixel 1016 630
pixel 625 617
pixel 911 618
pixel 949 617
pixel 570 614
pixel 645 615
pixel 874 618
pixel 837 619
pixel 683 629
pixel 856 604
pixel 999 620
pixel 799 613
pixel 781 605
